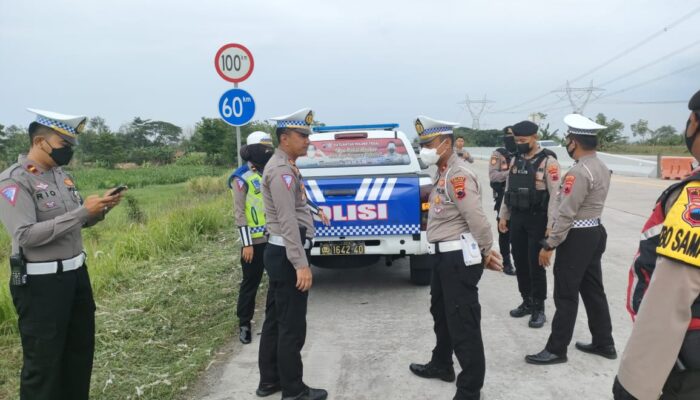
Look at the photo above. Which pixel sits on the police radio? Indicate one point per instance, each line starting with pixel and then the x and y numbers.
pixel 18 269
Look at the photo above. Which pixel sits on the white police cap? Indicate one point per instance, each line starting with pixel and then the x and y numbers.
pixel 301 119
pixel 428 128
pixel 68 126
pixel 259 137
pixel 580 125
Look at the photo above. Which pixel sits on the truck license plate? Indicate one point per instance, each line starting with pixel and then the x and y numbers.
pixel 342 248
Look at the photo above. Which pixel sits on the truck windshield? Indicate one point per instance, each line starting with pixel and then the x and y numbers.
pixel 356 152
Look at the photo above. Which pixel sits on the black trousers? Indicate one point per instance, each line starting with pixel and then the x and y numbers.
pixel 252 275
pixel 526 231
pixel 577 270
pixel 504 244
pixel 284 329
pixel 57 327
pixel 454 305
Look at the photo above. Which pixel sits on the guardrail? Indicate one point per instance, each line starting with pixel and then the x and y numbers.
pixel 619 164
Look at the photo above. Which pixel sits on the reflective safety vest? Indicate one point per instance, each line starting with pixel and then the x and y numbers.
pixel 254 207
pixel 675 235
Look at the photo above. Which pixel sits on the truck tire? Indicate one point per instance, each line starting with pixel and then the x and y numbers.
pixel 420 270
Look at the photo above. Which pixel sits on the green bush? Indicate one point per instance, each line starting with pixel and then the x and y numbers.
pixel 206 185
pixel 192 159
pixel 102 178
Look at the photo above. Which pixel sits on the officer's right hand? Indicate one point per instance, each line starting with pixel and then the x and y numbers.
pixel 503 225
pixel 304 279
pixel 493 261
pixel 96 205
pixel 247 254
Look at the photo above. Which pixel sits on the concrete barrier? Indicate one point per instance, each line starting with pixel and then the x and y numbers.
pixel 619 164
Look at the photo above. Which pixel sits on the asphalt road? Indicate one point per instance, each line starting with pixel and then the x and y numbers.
pixel 365 326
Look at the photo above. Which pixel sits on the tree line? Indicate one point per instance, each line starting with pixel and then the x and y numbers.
pixel 142 141
pixel 610 137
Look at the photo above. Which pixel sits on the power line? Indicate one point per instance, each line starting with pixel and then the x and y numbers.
pixel 678 71
pixel 640 44
pixel 476 111
pixel 658 60
pixel 615 58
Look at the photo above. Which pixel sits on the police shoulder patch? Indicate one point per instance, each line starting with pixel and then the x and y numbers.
pixel 553 171
pixel 288 179
pixel 239 183
pixel 568 184
pixel 9 192
pixel 494 159
pixel 459 186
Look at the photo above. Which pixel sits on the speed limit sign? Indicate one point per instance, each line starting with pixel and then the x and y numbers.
pixel 236 107
pixel 234 62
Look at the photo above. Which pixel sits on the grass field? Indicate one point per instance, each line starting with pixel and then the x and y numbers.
pixel 164 268
pixel 648 150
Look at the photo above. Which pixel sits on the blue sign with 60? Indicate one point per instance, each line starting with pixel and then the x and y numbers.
pixel 236 107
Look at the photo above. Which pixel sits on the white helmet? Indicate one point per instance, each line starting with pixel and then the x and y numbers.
pixel 259 137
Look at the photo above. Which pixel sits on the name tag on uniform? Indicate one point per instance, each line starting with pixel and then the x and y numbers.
pixel 470 249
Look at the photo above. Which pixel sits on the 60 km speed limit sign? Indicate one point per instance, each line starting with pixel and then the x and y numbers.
pixel 236 107
pixel 234 62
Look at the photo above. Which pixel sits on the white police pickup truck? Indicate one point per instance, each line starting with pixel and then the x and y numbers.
pixel 368 181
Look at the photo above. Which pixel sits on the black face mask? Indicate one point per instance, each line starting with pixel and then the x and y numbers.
pixel 509 142
pixel 523 148
pixel 62 155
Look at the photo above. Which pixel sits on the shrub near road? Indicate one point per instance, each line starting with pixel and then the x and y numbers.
pixel 163 270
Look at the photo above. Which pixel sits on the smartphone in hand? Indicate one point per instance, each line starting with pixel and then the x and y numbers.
pixel 118 190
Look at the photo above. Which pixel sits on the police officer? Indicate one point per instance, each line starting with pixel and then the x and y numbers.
pixel 460 247
pixel 43 213
pixel 533 177
pixel 498 173
pixel 580 239
pixel 663 351
pixel 291 231
pixel 246 185
pixel 461 152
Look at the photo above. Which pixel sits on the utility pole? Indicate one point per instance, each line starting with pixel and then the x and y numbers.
pixel 579 97
pixel 475 108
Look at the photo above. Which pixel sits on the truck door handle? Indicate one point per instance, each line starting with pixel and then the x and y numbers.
pixel 340 192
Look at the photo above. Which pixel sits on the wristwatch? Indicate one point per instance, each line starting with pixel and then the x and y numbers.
pixel 546 245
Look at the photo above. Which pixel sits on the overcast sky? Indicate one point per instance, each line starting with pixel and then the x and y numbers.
pixel 352 62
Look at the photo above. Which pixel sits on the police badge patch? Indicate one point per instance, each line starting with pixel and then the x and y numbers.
pixel 10 194
pixel 288 180
pixel 691 215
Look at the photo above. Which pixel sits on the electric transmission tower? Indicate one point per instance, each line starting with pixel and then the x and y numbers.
pixel 476 108
pixel 579 97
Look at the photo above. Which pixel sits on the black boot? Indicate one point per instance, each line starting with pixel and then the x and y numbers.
pixel 309 394
pixel 508 269
pixel 525 308
pixel 537 319
pixel 267 389
pixel 430 371
pixel 245 335
pixel 544 357
pixel 620 393
pixel 603 351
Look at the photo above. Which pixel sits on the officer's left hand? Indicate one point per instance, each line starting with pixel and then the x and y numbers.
pixel 493 261
pixel 545 257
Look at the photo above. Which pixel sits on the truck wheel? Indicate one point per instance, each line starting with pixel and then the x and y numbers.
pixel 420 270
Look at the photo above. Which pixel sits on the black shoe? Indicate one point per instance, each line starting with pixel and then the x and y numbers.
pixel 429 371
pixel 545 358
pixel 603 351
pixel 523 309
pixel 245 335
pixel 309 394
pixel 267 389
pixel 537 319
pixel 508 270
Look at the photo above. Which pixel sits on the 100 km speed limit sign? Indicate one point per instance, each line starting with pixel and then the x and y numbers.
pixel 234 62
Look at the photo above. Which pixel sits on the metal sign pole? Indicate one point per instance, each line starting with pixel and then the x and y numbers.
pixel 238 137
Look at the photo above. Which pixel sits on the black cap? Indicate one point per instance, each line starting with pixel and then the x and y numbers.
pixel 694 103
pixel 525 128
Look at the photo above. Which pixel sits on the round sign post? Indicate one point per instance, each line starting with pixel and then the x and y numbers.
pixel 234 63
pixel 236 107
